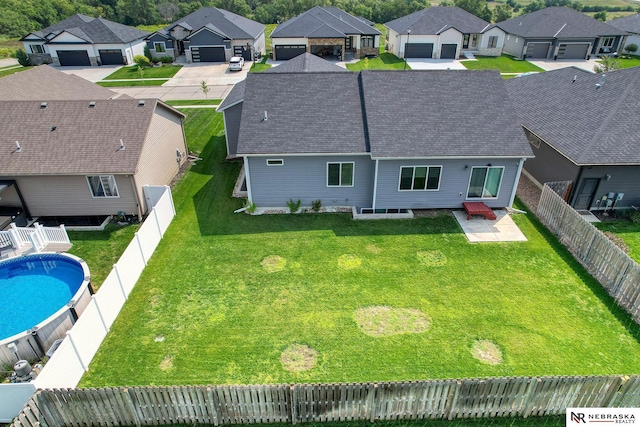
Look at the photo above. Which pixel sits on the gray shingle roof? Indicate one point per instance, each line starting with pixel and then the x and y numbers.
pixel 235 95
pixel 589 125
pixel 93 30
pixel 321 22
pixel 557 22
pixel 306 62
pixel 224 22
pixel 45 83
pixel 306 113
pixel 86 139
pixel 441 114
pixel 629 23
pixel 435 20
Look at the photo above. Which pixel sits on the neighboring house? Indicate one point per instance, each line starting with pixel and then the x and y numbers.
pixel 630 24
pixel 325 31
pixel 583 128
pixel 45 82
pixel 86 158
pixel 377 140
pixel 81 40
pixel 209 35
pixel 443 33
pixel 559 33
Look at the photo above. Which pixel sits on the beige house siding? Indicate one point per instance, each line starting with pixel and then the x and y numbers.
pixel 71 196
pixel 9 197
pixel 158 160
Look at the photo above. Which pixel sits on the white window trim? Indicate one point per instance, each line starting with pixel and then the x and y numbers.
pixel 115 187
pixel 33 46
pixel 484 183
pixel 353 177
pixel 413 177
pixel 275 162
pixel 155 47
pixel 489 42
pixel 608 41
pixel 363 38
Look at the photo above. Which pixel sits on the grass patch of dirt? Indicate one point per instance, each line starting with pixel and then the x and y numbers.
pixel 382 321
pixel 373 249
pixel 299 357
pixel 349 261
pixel 432 258
pixel 167 363
pixel 487 352
pixel 274 263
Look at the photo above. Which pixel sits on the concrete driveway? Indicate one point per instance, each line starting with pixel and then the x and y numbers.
pixel 435 64
pixel 212 73
pixel 550 64
pixel 93 74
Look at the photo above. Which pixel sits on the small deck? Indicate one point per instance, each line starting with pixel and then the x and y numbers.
pixel 18 241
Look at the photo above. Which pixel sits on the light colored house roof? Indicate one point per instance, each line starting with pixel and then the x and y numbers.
pixel 93 30
pixel 45 83
pixel 320 22
pixel 557 22
pixel 223 22
pixel 589 124
pixel 73 137
pixel 629 23
pixel 435 20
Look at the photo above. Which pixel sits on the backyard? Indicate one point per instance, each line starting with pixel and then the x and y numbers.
pixel 231 298
pixel 628 231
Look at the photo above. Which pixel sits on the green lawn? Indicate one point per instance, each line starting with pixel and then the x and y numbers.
pixel 149 73
pixel 267 33
pixel 628 231
pixel 9 71
pixel 504 63
pixel 177 103
pixel 128 83
pixel 101 249
pixel 206 311
pixel 259 67
pixel 628 61
pixel 386 61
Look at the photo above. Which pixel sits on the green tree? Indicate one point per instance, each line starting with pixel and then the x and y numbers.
pixel 631 48
pixel 502 12
pixel 205 88
pixel 600 15
pixel 23 58
pixel 476 7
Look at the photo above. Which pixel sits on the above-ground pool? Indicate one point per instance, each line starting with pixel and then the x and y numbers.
pixel 40 295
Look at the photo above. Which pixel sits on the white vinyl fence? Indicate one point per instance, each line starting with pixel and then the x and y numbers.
pixel 72 358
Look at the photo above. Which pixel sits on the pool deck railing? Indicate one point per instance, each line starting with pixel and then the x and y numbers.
pixel 23 240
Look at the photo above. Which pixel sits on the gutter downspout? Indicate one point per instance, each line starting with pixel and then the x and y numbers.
pixel 135 191
pixel 574 189
pixel 515 184
pixel 375 186
pixel 247 177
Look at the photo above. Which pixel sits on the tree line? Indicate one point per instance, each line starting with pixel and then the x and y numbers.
pixel 20 17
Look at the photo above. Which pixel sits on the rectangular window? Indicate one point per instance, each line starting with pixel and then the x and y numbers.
pixel 485 182
pixel 419 178
pixel 36 48
pixel 608 41
pixel 493 41
pixel 103 186
pixel 340 174
pixel 159 47
pixel 275 162
pixel 366 41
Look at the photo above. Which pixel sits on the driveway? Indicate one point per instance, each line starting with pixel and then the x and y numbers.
pixel 93 74
pixel 212 73
pixel 550 64
pixel 435 64
pixel 174 92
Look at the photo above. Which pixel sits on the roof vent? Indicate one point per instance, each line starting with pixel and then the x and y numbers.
pixel 92 104
pixel 18 147
pixel 599 85
pixel 265 118
pixel 574 78
pixel 121 145
pixel 53 128
pixel 43 105
pixel 141 103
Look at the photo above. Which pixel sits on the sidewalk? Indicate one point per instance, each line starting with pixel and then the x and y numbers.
pixel 173 92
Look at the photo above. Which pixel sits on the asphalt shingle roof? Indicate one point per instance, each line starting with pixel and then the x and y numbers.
pixel 45 83
pixel 435 20
pixel 319 22
pixel 93 30
pixel 85 140
pixel 235 95
pixel 557 22
pixel 629 23
pixel 222 21
pixel 306 62
pixel 590 125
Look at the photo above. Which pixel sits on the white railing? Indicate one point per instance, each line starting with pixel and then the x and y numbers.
pixel 56 234
pixel 37 236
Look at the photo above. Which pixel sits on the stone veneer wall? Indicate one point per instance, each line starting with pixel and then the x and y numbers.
pixel 494 51
pixel 367 51
pixel 40 58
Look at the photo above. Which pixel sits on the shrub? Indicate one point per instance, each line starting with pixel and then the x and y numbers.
pixel 316 205
pixel 635 217
pixel 294 206
pixel 23 58
pixel 631 48
pixel 147 51
pixel 141 60
pixel 165 59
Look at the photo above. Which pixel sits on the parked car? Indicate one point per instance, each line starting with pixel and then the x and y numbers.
pixel 236 63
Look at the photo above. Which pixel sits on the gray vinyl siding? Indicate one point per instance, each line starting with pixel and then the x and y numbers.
pixel 158 159
pixel 207 38
pixel 232 128
pixel 624 179
pixel 305 178
pixel 156 38
pixel 454 181
pixel 549 165
pixel 512 47
pixel 71 196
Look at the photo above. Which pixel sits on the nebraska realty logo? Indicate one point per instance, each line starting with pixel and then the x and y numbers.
pixel 582 416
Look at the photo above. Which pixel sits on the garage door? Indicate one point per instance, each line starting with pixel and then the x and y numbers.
pixel 73 57
pixel 573 51
pixel 418 50
pixel 111 56
pixel 448 51
pixel 208 54
pixel 537 50
pixel 285 52
pixel 243 52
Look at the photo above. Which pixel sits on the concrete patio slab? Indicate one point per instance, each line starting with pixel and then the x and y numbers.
pixel 550 64
pixel 435 64
pixel 477 229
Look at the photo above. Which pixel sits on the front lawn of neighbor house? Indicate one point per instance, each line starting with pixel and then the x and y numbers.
pixel 386 61
pixel 127 73
pixel 232 298
pixel 629 232
pixel 7 71
pixel 628 61
pixel 504 63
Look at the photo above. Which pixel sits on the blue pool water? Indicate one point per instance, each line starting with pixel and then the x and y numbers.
pixel 34 287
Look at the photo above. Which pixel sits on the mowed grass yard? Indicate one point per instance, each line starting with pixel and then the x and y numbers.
pixel 504 63
pixel 627 231
pixel 206 310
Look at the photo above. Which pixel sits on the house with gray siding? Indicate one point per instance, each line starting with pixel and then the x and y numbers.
pixel 376 140
pixel 583 128
pixel 209 34
pixel 630 24
pixel 559 32
pixel 77 158
pixel 443 32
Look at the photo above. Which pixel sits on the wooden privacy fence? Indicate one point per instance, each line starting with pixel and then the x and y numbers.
pixel 300 403
pixel 618 273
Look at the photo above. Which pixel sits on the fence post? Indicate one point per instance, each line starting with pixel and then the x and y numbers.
pixel 75 350
pixel 173 207
pixel 128 400
pixel 371 400
pixel 94 298
pixel 155 217
pixel 293 403
pixel 124 293
pixel 144 260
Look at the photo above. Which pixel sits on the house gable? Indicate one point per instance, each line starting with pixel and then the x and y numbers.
pixel 208 37
pixel 66 37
